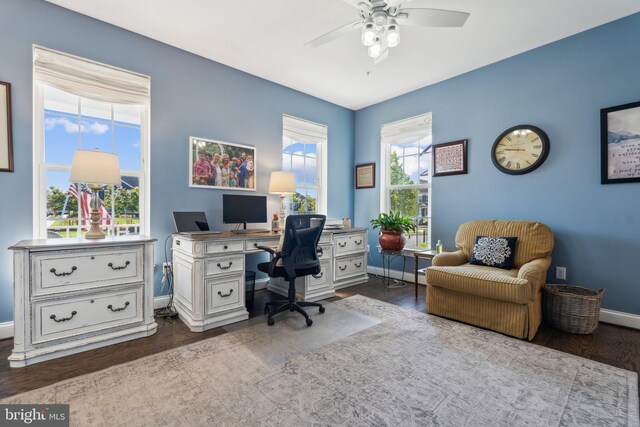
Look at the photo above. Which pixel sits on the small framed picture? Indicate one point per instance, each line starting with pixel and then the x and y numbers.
pixel 6 146
pixel 450 158
pixel 620 144
pixel 366 175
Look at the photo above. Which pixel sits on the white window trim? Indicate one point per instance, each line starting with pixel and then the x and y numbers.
pixel 318 134
pixel 392 134
pixel 39 169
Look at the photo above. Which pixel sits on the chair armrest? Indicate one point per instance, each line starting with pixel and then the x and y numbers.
pixel 535 272
pixel 449 259
pixel 319 251
pixel 267 249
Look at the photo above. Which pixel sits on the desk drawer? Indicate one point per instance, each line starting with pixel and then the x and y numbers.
pixel 350 243
pixel 55 319
pixel 347 267
pixel 76 270
pixel 224 265
pixel 326 252
pixel 321 280
pixel 250 245
pixel 224 293
pixel 224 247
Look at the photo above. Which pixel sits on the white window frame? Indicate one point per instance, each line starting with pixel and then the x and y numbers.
pixel 307 132
pixel 40 168
pixel 393 134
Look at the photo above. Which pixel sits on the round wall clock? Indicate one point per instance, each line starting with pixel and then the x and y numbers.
pixel 520 149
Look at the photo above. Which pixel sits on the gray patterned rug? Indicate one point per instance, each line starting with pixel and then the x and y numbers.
pixel 410 369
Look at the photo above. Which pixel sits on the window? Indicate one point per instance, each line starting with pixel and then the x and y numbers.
pixel 70 114
pixel 406 175
pixel 303 150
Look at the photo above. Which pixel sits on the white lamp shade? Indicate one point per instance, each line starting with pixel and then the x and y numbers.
pixel 282 183
pixel 95 167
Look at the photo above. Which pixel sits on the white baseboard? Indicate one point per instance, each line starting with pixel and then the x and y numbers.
pixel 6 330
pixel 162 300
pixel 395 274
pixel 619 318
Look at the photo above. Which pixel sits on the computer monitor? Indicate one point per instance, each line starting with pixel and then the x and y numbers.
pixel 242 209
pixel 190 221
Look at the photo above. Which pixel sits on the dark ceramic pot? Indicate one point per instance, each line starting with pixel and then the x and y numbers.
pixel 392 241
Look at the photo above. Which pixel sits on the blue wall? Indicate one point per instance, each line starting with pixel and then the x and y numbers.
pixel 560 88
pixel 190 96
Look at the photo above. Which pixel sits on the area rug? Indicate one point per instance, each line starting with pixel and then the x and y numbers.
pixel 410 369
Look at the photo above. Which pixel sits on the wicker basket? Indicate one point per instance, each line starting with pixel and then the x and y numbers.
pixel 571 308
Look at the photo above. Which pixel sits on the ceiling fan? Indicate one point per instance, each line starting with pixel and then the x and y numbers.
pixel 380 22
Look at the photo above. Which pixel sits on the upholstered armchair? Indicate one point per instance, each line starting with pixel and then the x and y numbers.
pixel 507 301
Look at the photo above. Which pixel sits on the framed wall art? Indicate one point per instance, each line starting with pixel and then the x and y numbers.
pixel 221 165
pixel 620 144
pixel 366 175
pixel 450 158
pixel 6 146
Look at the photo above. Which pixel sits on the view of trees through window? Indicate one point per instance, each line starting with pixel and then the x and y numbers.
pixel 70 123
pixel 302 159
pixel 409 184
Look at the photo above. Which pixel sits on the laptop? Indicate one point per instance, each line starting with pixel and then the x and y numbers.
pixel 192 223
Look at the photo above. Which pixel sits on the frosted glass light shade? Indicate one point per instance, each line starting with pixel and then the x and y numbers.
pixel 282 183
pixel 95 167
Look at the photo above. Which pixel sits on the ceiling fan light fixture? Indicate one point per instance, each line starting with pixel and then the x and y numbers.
pixel 393 34
pixel 368 33
pixel 375 49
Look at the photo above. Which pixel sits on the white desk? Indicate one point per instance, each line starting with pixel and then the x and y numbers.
pixel 208 269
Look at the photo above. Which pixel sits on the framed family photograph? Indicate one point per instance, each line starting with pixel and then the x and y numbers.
pixel 450 158
pixel 6 146
pixel 221 165
pixel 366 175
pixel 620 144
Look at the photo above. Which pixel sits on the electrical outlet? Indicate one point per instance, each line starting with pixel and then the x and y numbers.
pixel 166 267
pixel 561 273
pixel 368 248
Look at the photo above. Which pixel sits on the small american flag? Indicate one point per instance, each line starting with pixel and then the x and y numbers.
pixel 73 191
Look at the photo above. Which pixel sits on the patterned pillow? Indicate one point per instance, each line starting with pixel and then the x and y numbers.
pixel 494 251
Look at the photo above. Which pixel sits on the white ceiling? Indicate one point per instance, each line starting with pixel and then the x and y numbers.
pixel 266 38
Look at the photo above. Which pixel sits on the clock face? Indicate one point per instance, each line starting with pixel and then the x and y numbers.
pixel 520 149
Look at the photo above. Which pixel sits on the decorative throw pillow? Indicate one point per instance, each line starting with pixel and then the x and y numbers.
pixel 494 251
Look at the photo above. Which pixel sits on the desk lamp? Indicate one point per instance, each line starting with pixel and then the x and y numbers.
pixel 95 168
pixel 282 183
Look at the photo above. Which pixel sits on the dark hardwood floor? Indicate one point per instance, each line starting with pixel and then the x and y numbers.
pixel 610 344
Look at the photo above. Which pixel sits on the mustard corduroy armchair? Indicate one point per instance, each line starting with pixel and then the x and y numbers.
pixel 507 301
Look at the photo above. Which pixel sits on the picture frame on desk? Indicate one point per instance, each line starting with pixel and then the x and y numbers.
pixel 6 144
pixel 222 165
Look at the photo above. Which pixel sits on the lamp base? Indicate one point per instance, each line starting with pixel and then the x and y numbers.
pixel 95 232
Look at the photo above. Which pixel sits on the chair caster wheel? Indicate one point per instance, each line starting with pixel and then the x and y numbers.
pixel 270 322
pixel 321 310
pixel 267 310
pixel 309 322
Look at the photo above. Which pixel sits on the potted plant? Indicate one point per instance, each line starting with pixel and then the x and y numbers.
pixel 392 225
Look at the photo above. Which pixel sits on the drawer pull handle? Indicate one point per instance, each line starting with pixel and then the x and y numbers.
pixel 225 295
pixel 64 319
pixel 126 304
pixel 342 245
pixel 225 247
pixel 358 265
pixel 67 273
pixel 227 267
pixel 358 242
pixel 255 245
pixel 318 276
pixel 342 267
pixel 122 267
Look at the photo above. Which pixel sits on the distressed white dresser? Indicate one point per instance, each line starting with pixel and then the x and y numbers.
pixel 73 295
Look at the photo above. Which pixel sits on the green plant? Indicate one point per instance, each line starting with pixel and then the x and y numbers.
pixel 393 222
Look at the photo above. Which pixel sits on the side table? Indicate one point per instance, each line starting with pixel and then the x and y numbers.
pixel 387 258
pixel 428 254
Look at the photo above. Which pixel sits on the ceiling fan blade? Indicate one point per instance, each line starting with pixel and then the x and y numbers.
pixel 432 17
pixel 384 55
pixel 359 4
pixel 334 34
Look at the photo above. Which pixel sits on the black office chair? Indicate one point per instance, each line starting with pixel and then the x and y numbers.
pixel 298 258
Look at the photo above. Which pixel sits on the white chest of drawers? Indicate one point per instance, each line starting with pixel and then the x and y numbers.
pixel 74 295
